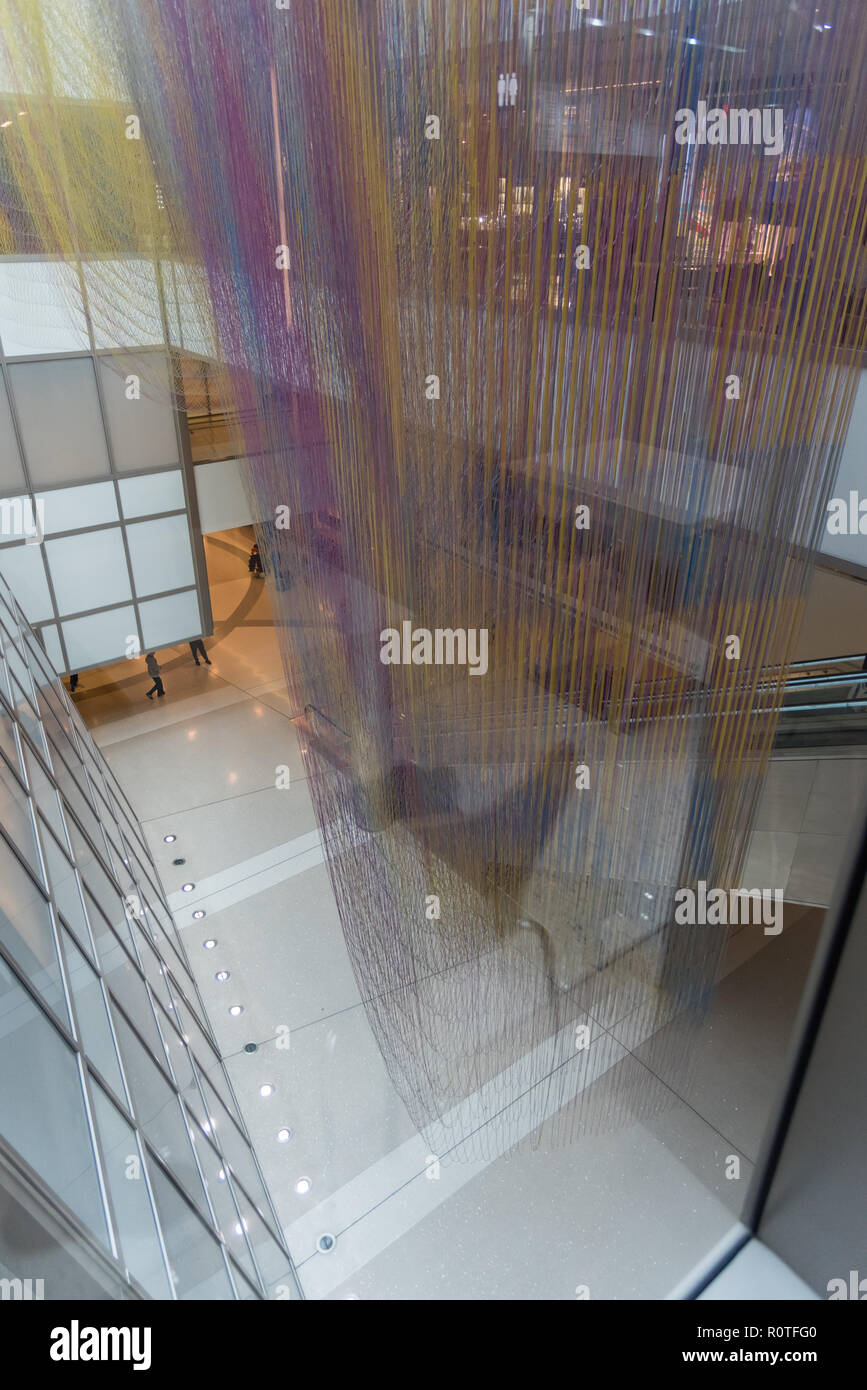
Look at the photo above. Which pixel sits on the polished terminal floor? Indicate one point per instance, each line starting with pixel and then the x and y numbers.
pixel 622 1214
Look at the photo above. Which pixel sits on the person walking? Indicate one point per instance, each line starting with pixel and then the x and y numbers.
pixel 254 564
pixel 73 682
pixel 197 649
pixel 154 671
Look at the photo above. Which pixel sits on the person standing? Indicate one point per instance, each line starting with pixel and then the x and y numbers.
pixel 197 649
pixel 73 682
pixel 154 672
pixel 254 564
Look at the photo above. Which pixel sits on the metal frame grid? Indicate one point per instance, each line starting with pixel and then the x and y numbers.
pixel 65 808
pixel 115 476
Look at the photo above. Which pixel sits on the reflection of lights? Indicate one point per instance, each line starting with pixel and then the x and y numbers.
pixel 233 777
pixel 191 734
pixel 4 124
pixel 692 41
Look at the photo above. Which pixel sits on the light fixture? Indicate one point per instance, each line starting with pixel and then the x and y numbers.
pixel 303 1186
pixel 187 887
pixel 236 1009
pixel 325 1243
pixel 209 944
pixel 692 41
pixel 283 1136
pixel 169 839
pixel 221 975
pixel 266 1090
pixel 198 915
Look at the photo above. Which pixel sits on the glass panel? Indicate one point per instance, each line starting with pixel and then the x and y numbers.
pixel 160 554
pixel 60 420
pixel 172 619
pixel 229 1223
pixel 50 635
pixel 15 817
pixel 43 1105
pixel 69 508
pixel 272 1261
pixel 158 1112
pixel 234 1148
pixel 195 1257
pixel 181 1062
pixel 11 472
pixel 129 282
pixel 155 492
pixel 128 988
pixel 8 745
pixel 40 308
pixel 26 716
pixel 26 931
pixel 88 569
pixel 65 887
pixel 142 430
pixel 99 638
pixel 136 1223
pixel 12 648
pixel 92 1014
pixel 23 569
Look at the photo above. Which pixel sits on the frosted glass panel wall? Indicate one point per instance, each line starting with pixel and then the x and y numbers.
pixel 92 459
pixel 59 418
pixel 141 427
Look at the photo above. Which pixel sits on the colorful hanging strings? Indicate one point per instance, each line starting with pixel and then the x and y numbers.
pixel 519 362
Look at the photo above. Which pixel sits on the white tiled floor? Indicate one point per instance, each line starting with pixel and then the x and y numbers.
pixel 625 1211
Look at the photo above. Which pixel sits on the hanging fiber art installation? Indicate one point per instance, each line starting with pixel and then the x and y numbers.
pixel 541 323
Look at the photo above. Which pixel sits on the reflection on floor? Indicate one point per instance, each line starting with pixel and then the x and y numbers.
pixel 624 1214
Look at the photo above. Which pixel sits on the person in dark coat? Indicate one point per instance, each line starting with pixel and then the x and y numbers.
pixel 154 671
pixel 254 564
pixel 197 649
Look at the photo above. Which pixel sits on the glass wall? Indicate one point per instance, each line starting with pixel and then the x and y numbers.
pixel 98 534
pixel 114 1095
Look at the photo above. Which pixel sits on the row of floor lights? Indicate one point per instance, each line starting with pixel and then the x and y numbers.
pixel 303 1185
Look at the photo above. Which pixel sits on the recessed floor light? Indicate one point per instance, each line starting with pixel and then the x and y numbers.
pixel 198 915
pixel 325 1243
pixel 266 1090
pixel 236 1009
pixel 283 1136
pixel 221 975
pixel 209 944
pixel 187 887
pixel 303 1186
